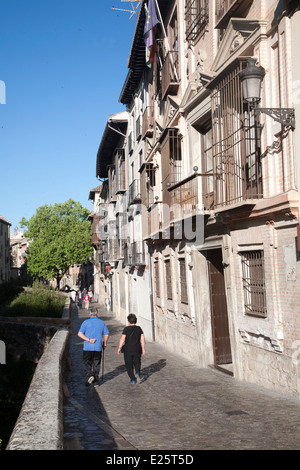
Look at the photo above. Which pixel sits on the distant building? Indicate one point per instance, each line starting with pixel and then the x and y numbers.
pixel 18 258
pixel 4 250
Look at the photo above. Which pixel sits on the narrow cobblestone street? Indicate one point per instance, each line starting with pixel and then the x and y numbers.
pixel 178 406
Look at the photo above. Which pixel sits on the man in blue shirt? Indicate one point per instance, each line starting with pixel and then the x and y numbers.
pixel 92 331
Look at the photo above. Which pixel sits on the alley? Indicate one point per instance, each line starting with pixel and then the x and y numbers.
pixel 178 406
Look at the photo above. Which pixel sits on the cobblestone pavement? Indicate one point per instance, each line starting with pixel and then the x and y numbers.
pixel 177 406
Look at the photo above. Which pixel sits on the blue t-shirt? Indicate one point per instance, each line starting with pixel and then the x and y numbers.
pixel 93 328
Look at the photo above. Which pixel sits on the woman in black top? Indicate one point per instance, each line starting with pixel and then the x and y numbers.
pixel 133 340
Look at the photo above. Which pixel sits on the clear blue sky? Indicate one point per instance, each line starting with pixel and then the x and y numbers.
pixel 64 63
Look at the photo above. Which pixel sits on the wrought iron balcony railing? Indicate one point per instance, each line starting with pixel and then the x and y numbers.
pixel 134 193
pixel 148 122
pixel 169 75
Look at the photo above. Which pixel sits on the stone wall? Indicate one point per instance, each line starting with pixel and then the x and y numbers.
pixel 40 422
pixel 271 370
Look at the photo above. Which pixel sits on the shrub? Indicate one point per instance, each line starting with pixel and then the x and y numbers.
pixel 38 301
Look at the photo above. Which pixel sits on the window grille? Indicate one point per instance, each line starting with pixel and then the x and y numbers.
pixel 183 282
pixel 254 283
pixel 171 156
pixel 208 182
pixel 121 177
pixel 171 163
pixel 196 17
pixel 236 143
pixel 112 182
pixel 168 279
pixel 156 274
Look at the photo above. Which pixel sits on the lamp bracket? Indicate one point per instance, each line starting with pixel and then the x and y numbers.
pixel 285 116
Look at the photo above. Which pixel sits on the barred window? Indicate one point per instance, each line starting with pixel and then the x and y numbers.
pixel 254 283
pixel 168 279
pixel 236 143
pixel 120 171
pixel 196 17
pixel 156 274
pixel 183 282
pixel 171 157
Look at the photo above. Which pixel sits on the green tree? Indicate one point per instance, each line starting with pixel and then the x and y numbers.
pixel 60 236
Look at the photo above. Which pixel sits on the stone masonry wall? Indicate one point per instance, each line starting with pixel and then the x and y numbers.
pixel 40 422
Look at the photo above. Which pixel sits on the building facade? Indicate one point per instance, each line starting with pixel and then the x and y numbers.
pixel 4 250
pixel 218 205
pixel 18 247
pixel 122 263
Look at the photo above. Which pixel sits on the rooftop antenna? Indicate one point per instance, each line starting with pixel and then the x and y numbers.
pixel 135 4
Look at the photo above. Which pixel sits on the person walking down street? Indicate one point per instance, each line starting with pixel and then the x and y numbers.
pixel 73 295
pixel 79 299
pixel 133 340
pixel 90 295
pixel 86 301
pixel 95 334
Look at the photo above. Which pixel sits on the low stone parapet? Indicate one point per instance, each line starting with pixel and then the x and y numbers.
pixel 40 422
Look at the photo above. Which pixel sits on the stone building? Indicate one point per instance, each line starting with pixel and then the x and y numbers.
pixel 4 249
pixel 122 252
pixel 218 178
pixel 18 246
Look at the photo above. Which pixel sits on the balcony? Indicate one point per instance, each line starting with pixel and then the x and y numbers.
pixel 103 252
pixel 169 75
pixel 148 122
pixel 236 151
pixel 134 254
pixel 130 143
pixel 196 16
pixel 95 231
pixel 226 9
pixel 236 180
pixel 134 193
pixel 102 210
pixel 191 196
pixel 137 253
pixel 138 127
pixel 120 171
pixel 113 249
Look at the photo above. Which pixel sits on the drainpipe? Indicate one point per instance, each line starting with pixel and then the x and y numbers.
pixel 149 261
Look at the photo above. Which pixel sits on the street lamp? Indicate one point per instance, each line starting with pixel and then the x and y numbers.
pixel 251 78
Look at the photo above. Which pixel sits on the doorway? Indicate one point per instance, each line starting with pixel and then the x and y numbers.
pixel 219 314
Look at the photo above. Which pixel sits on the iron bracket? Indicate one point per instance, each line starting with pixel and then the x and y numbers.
pixel 285 116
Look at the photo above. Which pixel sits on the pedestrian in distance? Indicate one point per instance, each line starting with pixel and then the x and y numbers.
pixel 95 334
pixel 79 299
pixel 133 340
pixel 86 301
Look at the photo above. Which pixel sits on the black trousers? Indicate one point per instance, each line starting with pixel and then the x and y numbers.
pixel 132 362
pixel 91 363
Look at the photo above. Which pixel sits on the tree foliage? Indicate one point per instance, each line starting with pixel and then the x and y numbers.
pixel 60 236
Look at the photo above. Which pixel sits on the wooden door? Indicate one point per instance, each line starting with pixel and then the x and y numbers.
pixel 220 329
